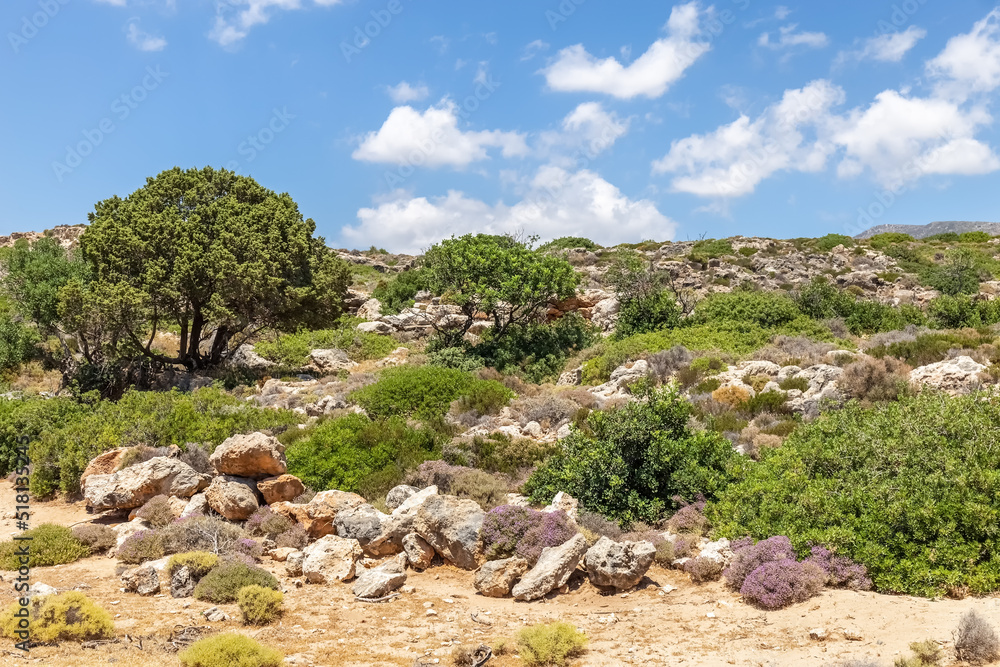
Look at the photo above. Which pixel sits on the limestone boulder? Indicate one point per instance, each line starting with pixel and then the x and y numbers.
pixel 196 506
pixel 364 524
pixel 621 565
pixel 495 578
pixel 282 488
pixel 253 455
pixel 143 580
pixel 954 376
pixel 330 361
pixel 331 559
pixel 419 554
pixel 135 485
pixel 317 516
pixel 235 498
pixel 380 581
pixel 398 495
pixel 552 570
pixel 103 464
pixel 451 526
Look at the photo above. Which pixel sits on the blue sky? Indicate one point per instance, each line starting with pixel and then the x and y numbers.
pixel 615 121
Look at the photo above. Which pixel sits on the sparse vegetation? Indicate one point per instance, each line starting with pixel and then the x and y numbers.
pixel 223 582
pixel 51 544
pixel 69 616
pixel 230 649
pixel 552 644
pixel 259 605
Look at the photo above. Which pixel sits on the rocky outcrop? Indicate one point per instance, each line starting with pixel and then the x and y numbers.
pixel 197 505
pixel 330 559
pixel 398 495
pixel 103 464
pixel 495 578
pixel 133 486
pixel 317 517
pixel 143 580
pixel 235 498
pixel 451 526
pixel 954 376
pixel 563 502
pixel 364 524
pixel 245 356
pixel 400 523
pixel 552 570
pixel 419 554
pixel 283 488
pixel 330 361
pixel 379 582
pixel 253 455
pixel 182 583
pixel 621 565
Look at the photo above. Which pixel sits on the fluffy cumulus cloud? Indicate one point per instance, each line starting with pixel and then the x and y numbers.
pixel 586 132
pixel 897 139
pixel 557 203
pixel 141 39
pixel 433 138
pixel 650 75
pixel 404 92
pixel 237 17
pixel 788 36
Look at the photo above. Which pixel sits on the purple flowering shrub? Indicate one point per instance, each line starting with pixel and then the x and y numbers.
pixel 779 583
pixel 266 523
pixel 703 569
pixel 841 571
pixel 247 547
pixel 295 537
pixel 140 547
pixel 509 530
pixel 690 519
pixel 748 556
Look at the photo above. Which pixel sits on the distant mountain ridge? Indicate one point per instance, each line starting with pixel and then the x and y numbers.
pixel 930 229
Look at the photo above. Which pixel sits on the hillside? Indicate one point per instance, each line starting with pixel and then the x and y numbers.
pixel 933 228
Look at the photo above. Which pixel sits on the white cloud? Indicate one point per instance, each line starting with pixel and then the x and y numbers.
pixel 732 160
pixel 142 40
pixel 781 12
pixel 557 203
pixel 229 29
pixel 116 3
pixel 533 49
pixel 585 132
pixel 890 47
pixel 432 138
pixel 970 63
pixel 575 70
pixel 404 92
pixel 788 38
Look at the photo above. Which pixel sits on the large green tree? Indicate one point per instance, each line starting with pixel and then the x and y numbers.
pixel 207 253
pixel 501 276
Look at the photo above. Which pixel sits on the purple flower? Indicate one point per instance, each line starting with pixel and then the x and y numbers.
pixel 747 557
pixel 511 530
pixel 841 571
pixel 778 584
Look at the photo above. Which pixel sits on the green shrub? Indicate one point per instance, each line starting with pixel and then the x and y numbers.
pixel 398 292
pixel 259 605
pixel 906 488
pixel 50 545
pixel 458 358
pixel 953 312
pixel 498 452
pixel 974 237
pixel 766 401
pixel 157 511
pixel 198 563
pixel 61 452
pixel 551 644
pixel 790 383
pixel 354 453
pixel 960 273
pixel 28 417
pixel 831 241
pixel 485 398
pixel 932 347
pixel 230 650
pixel 883 241
pixel 69 616
pixel 292 349
pixel 647 313
pixel 746 306
pixel 638 461
pixel 225 580
pixel 707 249
pixel 480 486
pixel 413 391
pixel 869 317
pixel 535 351
pixel 17 342
pixel 925 654
pixel 821 300
pixel 569 243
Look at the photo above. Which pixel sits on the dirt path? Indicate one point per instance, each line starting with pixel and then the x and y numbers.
pixel 667 621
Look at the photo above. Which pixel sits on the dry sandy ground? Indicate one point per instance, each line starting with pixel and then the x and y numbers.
pixel 666 621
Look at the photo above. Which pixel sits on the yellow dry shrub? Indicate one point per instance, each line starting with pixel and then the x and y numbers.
pixel 64 616
pixel 731 395
pixel 230 650
pixel 551 644
pixel 259 605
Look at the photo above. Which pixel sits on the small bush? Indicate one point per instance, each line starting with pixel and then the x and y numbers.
pixel 690 519
pixel 748 556
pixel 69 616
pixel 498 452
pixel 790 383
pixel 230 650
pixel 925 654
pixel 481 487
pixel 831 241
pixel 96 536
pixel 569 243
pixel 198 563
pixel 259 605
pixel 976 641
pixel 548 408
pixel 703 569
pixel 399 291
pixel 50 545
pixel 731 395
pixel 249 548
pixel 266 523
pixel 223 583
pixel 665 363
pixel 157 511
pixel 484 398
pixel 509 530
pixel 778 584
pixel 423 392
pixel 295 537
pixel 201 533
pixel 841 572
pixel 552 644
pixel 141 546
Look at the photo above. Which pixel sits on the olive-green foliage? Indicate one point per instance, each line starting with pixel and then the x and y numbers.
pixel 883 241
pixel 292 349
pixel 50 545
pixel 974 237
pixel 35 274
pixel 199 249
pixel 259 605
pixel 550 645
pixel 354 453
pixel 230 650
pixel 535 351
pixel 17 342
pixel 424 392
pixel 747 306
pixel 62 450
pixel 458 358
pixel 69 616
pixel 645 301
pixel 961 310
pixel 498 452
pixel 568 243
pixel 225 580
pixel 868 317
pixel 638 460
pixel 484 398
pixel 702 251
pixel 925 654
pixel 831 241
pixel 28 417
pixel 96 536
pixel 397 292
pixel 959 274
pixel 198 563
pixel 497 275
pixel 908 488
pixel 821 300
pixel 933 347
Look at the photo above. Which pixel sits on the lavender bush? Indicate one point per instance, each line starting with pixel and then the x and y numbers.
pixel 778 584
pixel 841 572
pixel 140 547
pixel 509 530
pixel 247 547
pixel 690 519
pixel 554 529
pixel 748 556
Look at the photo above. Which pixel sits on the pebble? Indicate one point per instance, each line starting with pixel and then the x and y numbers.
pixel 431 612
pixel 818 634
pixel 428 605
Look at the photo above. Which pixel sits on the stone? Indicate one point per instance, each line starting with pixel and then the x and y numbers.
pixel 135 485
pixel 317 517
pixel 253 455
pixel 293 564
pixel 419 554
pixel 399 524
pixel 532 429
pixel 364 524
pixel 496 577
pixel 235 498
pixel 818 634
pixel 718 551
pixel 397 357
pixel 852 634
pixel 451 526
pixel 126 530
pixel 143 580
pixel 621 565
pixel 103 464
pixel 215 615
pixel 197 505
pixel 39 589
pixel 565 502
pixel 954 376
pixel 370 310
pixel 330 559
pixel 571 378
pixel 552 570
pixel 280 555
pixel 330 361
pixel 398 495
pixel 282 488
pixel 379 582
pixel 375 327
pixel 182 583
pixel 245 356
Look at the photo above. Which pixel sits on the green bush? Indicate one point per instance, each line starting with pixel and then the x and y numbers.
pixel 61 451
pixel 960 274
pixel 647 313
pixel 230 650
pixel 974 237
pixel 535 351
pixel 821 300
pixel 883 241
pixel 17 342
pixel 28 417
pixel 707 249
pixel 198 563
pixel 424 392
pixel 398 292
pixel 638 461
pixel 225 580
pixel 50 545
pixel 869 317
pixel 909 489
pixel 932 347
pixel 458 358
pixel 831 241
pixel 141 546
pixel 485 398
pixel 69 616
pixel 292 349
pixel 568 243
pixel 961 310
pixel 746 306
pixel 551 644
pixel 354 453
pixel 259 605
